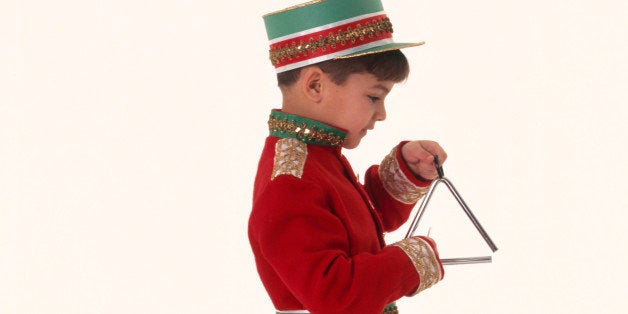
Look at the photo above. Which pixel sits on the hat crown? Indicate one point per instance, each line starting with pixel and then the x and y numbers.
pixel 315 14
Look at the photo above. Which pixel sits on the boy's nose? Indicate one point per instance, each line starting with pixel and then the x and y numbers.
pixel 380 114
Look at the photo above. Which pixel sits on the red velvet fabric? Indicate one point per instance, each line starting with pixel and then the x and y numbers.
pixel 318 240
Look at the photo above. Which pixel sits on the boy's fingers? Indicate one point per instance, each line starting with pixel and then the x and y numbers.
pixel 434 148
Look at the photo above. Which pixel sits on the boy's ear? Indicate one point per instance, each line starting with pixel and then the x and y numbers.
pixel 312 83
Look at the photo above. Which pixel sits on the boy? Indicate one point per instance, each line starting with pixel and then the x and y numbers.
pixel 316 232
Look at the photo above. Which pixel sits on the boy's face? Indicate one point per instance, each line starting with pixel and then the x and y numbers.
pixel 356 105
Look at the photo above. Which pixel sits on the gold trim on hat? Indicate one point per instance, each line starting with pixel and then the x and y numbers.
pixel 295 50
pixel 305 4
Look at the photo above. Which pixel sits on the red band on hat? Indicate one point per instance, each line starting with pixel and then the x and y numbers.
pixel 330 41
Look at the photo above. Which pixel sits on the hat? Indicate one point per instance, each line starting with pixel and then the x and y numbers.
pixel 322 30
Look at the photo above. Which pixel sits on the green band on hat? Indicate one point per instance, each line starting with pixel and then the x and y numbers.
pixel 316 13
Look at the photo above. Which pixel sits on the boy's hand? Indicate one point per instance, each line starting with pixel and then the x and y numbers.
pixel 424 255
pixel 419 156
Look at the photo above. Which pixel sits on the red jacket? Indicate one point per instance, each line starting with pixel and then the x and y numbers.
pixel 317 233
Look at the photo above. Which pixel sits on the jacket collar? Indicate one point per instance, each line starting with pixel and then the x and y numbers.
pixel 309 131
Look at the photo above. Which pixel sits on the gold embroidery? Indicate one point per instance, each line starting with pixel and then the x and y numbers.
pixel 424 260
pixel 290 155
pixel 395 181
pixel 311 135
pixel 391 309
pixel 293 50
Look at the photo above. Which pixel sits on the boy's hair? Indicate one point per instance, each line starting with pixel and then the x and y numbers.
pixel 386 66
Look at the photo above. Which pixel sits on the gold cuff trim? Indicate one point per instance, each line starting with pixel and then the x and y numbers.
pixel 424 260
pixel 290 156
pixel 396 182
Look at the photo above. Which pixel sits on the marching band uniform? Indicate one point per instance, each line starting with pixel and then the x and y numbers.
pixel 317 233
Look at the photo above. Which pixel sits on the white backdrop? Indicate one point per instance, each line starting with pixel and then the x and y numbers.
pixel 130 132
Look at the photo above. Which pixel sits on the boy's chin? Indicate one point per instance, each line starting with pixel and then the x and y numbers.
pixel 351 143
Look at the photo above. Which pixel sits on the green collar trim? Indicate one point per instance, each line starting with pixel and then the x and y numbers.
pixel 305 130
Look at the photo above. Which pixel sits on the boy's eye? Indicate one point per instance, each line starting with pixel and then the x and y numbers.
pixel 373 98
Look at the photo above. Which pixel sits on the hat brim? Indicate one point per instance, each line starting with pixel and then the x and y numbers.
pixel 379 49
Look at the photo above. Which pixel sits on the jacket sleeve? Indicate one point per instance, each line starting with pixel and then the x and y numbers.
pixel 394 189
pixel 308 247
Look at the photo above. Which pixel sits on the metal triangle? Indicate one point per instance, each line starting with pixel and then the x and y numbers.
pixel 467 210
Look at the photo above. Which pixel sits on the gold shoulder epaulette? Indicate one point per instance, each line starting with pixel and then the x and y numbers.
pixel 290 156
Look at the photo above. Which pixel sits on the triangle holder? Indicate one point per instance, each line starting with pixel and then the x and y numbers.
pixel 467 210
